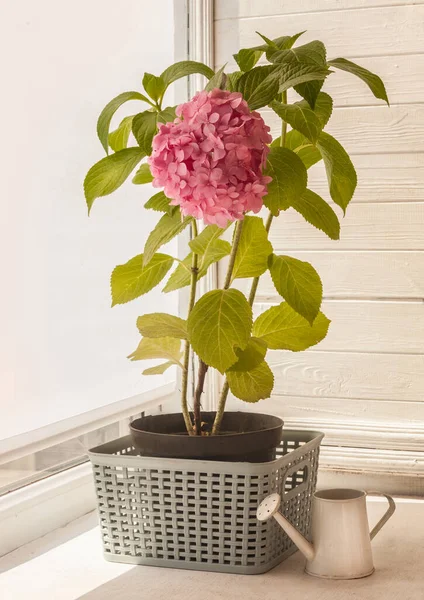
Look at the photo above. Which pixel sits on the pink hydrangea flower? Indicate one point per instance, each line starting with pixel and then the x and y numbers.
pixel 210 159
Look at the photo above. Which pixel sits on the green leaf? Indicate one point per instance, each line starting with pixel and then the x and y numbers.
pixel 118 139
pixel 166 229
pixel 251 386
pixel 323 107
pixel 109 110
pixel 232 80
pixel 201 242
pixel 143 175
pixel 217 81
pixel 246 58
pixel 340 171
pixel 167 115
pixel 282 328
pixel 318 213
pixel 312 54
pixel 181 276
pixel 297 142
pixel 251 356
pixel 282 43
pixel 269 43
pixel 133 279
pixel 372 80
pixel 160 203
pixel 159 369
pixel 301 117
pixel 219 323
pixel 310 91
pixel 183 68
pixel 154 86
pixel 168 348
pixel 259 86
pixel 289 179
pixel 253 251
pixel 298 283
pixel 109 173
pixel 144 128
pixel 293 74
pixel 156 325
pixel 216 250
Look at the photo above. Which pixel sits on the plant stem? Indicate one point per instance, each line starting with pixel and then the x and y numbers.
pixel 203 367
pixel 186 359
pixel 226 388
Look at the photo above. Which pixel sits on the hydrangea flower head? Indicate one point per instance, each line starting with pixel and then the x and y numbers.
pixel 210 159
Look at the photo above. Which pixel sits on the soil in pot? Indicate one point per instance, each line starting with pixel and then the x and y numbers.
pixel 245 437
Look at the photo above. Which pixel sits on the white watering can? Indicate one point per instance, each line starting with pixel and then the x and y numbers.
pixel 341 540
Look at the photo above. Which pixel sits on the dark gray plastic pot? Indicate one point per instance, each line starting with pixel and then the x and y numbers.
pixel 245 437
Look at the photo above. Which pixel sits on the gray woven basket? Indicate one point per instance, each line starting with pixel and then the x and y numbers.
pixel 193 514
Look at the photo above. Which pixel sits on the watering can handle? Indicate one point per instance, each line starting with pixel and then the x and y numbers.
pixel 389 512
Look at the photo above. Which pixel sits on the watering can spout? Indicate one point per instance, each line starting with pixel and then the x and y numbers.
pixel 269 508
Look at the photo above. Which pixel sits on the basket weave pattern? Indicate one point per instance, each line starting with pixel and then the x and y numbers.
pixel 202 514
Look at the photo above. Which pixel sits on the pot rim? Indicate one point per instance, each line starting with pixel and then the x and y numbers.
pixel 278 423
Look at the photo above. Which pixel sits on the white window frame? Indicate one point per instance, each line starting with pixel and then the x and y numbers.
pixel 40 507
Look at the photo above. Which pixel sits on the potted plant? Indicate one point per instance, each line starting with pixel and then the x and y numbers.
pixel 220 174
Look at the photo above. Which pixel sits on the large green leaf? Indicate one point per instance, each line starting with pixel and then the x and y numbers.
pixel 154 86
pixel 323 107
pixel 133 279
pixel 159 369
pixel 318 213
pixel 166 347
pixel 340 171
pixel 259 86
pixel 161 203
pixel 144 127
pixel 289 179
pixel 312 54
pixel 293 74
pixel 184 68
pixel 219 323
pixel 109 173
pixel 251 356
pixel 156 325
pixel 372 80
pixel 118 139
pixel 217 81
pixel 166 229
pixel 299 144
pixel 282 328
pixel 109 110
pixel 253 250
pixel 181 276
pixel 252 386
pixel 143 175
pixel 232 80
pixel 246 58
pixel 298 283
pixel 201 242
pixel 301 117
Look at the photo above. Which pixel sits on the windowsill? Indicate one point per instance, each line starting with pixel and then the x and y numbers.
pixel 67 564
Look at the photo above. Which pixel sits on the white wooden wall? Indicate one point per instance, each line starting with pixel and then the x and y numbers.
pixel 364 384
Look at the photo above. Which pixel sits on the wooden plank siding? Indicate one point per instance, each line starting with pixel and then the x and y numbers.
pixel 364 384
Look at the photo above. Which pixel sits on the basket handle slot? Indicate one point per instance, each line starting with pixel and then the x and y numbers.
pixel 296 480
